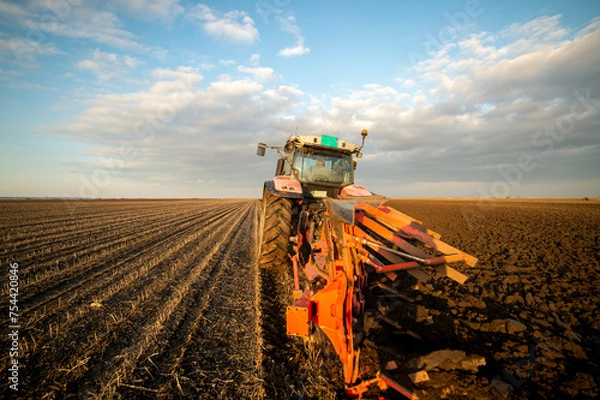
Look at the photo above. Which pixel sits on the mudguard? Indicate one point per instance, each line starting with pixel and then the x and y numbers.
pixel 356 191
pixel 285 186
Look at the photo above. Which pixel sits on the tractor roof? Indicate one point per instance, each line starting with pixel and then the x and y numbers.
pixel 322 142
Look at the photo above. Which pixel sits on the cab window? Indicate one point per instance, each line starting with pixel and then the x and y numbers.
pixel 315 166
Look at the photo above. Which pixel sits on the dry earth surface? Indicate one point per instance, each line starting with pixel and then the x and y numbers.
pixel 163 299
pixel 530 307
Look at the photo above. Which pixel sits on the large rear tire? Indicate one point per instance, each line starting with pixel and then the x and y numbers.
pixel 279 359
pixel 276 229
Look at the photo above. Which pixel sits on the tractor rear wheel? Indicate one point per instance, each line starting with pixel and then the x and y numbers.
pixel 275 293
pixel 276 229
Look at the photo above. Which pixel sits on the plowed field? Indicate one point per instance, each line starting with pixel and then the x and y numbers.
pixel 163 299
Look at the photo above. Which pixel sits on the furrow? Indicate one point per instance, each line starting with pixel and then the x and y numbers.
pixel 68 280
pixel 99 291
pixel 213 309
pixel 122 355
pixel 84 239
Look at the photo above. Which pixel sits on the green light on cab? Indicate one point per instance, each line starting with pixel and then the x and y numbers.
pixel 330 141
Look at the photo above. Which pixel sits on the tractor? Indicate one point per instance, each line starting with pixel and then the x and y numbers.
pixel 343 239
pixel 309 170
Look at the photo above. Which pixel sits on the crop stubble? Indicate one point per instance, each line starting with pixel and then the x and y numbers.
pixel 136 304
pixel 163 299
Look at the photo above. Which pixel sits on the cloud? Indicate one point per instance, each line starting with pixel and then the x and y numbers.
pixel 226 63
pixel 532 35
pixel 540 69
pixel 182 74
pixel 298 50
pixel 233 26
pixel 288 24
pixel 100 26
pixel 484 108
pixel 107 66
pixel 12 11
pixel 79 20
pixel 483 105
pixel 9 74
pixel 254 60
pixel 261 74
pixel 516 110
pixel 32 86
pixel 176 131
pixel 24 51
pixel 163 10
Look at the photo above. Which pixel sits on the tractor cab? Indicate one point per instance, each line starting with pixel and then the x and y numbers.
pixel 321 165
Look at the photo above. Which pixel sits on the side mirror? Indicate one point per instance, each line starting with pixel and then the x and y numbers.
pixel 260 151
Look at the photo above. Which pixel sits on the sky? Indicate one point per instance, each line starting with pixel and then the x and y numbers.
pixel 169 98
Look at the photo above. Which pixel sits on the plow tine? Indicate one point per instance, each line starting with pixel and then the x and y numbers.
pixel 400 224
pixel 398 387
pixel 394 292
pixel 378 246
pixel 440 246
pixel 417 261
pixel 451 273
pixel 389 321
pixel 395 219
pixel 385 233
pixel 416 273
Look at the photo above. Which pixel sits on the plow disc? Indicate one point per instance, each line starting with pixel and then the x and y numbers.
pixel 359 243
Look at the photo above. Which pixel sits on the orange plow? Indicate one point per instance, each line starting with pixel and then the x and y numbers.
pixel 359 243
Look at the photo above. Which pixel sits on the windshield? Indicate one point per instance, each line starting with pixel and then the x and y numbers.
pixel 326 167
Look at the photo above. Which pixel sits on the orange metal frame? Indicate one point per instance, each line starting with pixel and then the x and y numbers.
pixel 345 248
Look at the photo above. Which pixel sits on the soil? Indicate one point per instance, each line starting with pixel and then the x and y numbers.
pixel 135 299
pixel 164 299
pixel 529 308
